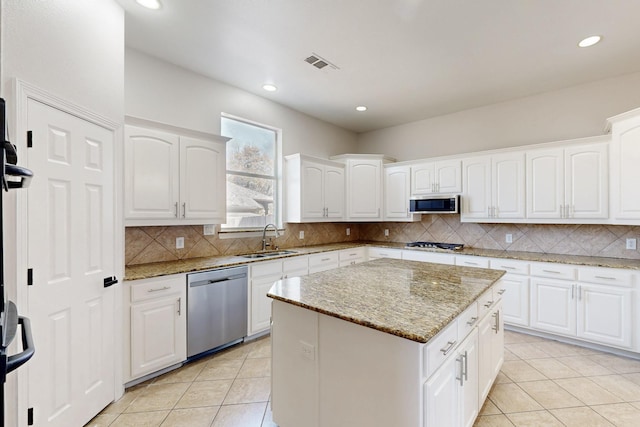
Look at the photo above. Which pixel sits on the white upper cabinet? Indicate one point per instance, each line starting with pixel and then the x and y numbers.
pixel 569 183
pixel 314 189
pixel 436 177
pixel 174 179
pixel 363 193
pixel 494 187
pixel 625 167
pixel 397 190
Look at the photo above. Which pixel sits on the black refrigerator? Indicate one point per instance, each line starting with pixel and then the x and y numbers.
pixel 11 177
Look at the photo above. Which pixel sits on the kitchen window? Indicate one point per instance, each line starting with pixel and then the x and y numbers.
pixel 253 174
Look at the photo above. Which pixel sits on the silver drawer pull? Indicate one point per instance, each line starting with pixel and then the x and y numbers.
pixel 506 267
pixel 470 263
pixel 551 271
pixel 605 278
pixel 502 291
pixel 164 288
pixel 325 259
pixel 449 347
pixel 488 304
pixel 472 321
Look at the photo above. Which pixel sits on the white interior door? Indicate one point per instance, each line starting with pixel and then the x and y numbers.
pixel 70 223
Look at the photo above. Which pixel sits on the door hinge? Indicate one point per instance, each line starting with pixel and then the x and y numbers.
pixel 30 417
pixel 29 139
pixel 30 277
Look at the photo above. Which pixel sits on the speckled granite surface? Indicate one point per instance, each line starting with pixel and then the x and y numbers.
pixel 144 271
pixel 410 299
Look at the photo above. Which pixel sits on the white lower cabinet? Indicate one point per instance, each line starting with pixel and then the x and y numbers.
pixel 604 315
pixel 451 394
pixel 262 276
pixel 553 307
pixel 352 256
pixel 323 261
pixel 436 257
pixel 158 324
pixel 491 349
pixel 375 253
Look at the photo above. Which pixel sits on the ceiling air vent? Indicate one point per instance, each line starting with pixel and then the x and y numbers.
pixel 319 62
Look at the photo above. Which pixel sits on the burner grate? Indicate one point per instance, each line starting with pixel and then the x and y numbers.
pixel 436 245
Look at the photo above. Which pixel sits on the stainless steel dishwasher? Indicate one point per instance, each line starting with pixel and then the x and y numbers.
pixel 216 309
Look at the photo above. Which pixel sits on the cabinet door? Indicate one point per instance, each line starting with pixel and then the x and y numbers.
pixel 625 173
pixel 553 306
pixel 158 334
pixel 422 179
pixel 396 192
pixel 448 177
pixel 515 299
pixel 545 183
pixel 604 315
pixel 476 200
pixel 508 185
pixel 490 350
pixel 312 190
pixel 151 174
pixel 334 183
pixel 441 396
pixel 260 303
pixel 586 182
pixel 469 404
pixel 203 188
pixel 364 189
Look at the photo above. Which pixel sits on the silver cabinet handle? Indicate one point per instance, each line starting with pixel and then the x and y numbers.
pixel 470 263
pixel 605 278
pixel 179 306
pixel 407 212
pixel 561 211
pixel 176 209
pixel 164 288
pixel 472 321
pixel 184 210
pixel 449 347
pixel 506 267
pixel 461 376
pixel 489 211
pixel 466 366
pixel 502 291
pixel 551 271
pixel 579 293
pixel 496 316
pixel 488 304
pixel 573 289
pixel 325 259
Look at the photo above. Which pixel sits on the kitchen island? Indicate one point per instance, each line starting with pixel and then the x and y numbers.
pixel 386 342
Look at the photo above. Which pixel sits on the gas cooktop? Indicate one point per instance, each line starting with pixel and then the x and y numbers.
pixel 436 245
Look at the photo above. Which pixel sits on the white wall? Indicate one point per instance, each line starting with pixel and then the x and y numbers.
pixel 569 113
pixel 163 92
pixel 73 49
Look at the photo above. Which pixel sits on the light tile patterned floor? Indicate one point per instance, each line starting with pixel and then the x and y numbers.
pixel 542 383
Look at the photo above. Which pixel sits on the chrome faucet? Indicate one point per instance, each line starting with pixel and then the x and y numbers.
pixel 264 238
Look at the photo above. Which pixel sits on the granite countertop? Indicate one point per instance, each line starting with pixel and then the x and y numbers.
pixel 156 269
pixel 410 299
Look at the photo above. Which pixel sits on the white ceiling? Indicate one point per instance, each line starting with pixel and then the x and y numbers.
pixel 404 59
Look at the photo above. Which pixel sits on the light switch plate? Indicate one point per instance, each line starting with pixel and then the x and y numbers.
pixel 631 244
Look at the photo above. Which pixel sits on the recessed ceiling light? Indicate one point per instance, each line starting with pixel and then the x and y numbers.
pixel 269 87
pixel 361 108
pixel 150 4
pixel 589 41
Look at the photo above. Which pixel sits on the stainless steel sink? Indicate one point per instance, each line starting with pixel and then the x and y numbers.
pixel 267 254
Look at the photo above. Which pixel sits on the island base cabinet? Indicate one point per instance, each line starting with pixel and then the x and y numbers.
pixel 490 349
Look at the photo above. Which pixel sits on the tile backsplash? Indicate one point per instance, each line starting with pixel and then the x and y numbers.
pixel 153 244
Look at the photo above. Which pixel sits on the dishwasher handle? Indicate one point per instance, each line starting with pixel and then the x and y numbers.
pixel 221 279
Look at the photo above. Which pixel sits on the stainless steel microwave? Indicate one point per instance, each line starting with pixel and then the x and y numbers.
pixel 435 204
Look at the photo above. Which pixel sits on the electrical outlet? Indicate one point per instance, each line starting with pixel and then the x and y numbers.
pixel 508 238
pixel 307 350
pixel 348 231
pixel 386 232
pixel 631 244
pixel 209 229
pixel 179 242
pixel 301 236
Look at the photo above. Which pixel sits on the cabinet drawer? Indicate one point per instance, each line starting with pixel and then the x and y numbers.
pixel 472 261
pixel 510 266
pixel 260 269
pixel 485 302
pixel 606 276
pixel 295 263
pixel 440 347
pixel 355 254
pixel 385 253
pixel 323 260
pixel 142 290
pixel 554 271
pixel 426 256
pixel 467 320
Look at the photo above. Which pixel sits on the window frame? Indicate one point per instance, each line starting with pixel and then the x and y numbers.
pixel 277 177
